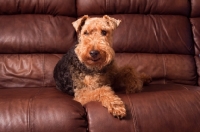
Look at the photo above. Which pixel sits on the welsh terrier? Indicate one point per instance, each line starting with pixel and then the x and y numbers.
pixel 88 70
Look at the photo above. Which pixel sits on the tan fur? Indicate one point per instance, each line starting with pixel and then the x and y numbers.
pixel 106 96
pixel 96 34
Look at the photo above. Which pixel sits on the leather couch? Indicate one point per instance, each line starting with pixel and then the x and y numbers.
pixel 158 37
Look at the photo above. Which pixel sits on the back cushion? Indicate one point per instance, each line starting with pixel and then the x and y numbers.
pixel 154 36
pixel 33 36
pixel 51 7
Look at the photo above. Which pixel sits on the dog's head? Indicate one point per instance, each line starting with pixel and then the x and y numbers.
pixel 95 40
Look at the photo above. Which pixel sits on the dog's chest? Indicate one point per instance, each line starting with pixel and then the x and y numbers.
pixel 94 80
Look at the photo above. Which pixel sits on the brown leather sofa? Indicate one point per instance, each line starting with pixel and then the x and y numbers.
pixel 158 37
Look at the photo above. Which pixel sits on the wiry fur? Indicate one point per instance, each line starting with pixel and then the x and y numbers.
pixel 91 77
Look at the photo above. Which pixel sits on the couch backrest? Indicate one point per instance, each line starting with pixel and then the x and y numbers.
pixel 31 31
pixel 158 37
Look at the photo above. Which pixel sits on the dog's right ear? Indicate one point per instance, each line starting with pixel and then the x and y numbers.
pixel 114 23
pixel 79 23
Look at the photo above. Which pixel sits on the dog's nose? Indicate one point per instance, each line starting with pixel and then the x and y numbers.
pixel 94 53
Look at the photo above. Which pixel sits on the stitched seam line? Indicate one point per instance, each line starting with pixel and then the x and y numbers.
pixel 106 5
pixel 43 69
pixel 43 6
pixel 133 115
pixel 28 115
pixel 30 112
pixel 164 68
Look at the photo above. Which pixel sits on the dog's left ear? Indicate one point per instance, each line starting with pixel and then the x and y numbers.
pixel 79 23
pixel 114 23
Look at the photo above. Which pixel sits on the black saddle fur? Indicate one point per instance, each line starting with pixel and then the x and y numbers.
pixel 62 74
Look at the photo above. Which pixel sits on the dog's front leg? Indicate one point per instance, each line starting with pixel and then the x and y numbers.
pixel 106 96
pixel 111 101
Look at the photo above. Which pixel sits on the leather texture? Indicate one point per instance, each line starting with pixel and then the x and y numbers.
pixel 33 34
pixel 100 7
pixel 195 5
pixel 39 110
pixel 58 7
pixel 157 37
pixel 170 108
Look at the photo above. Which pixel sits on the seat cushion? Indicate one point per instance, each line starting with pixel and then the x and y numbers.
pixel 40 110
pixel 165 108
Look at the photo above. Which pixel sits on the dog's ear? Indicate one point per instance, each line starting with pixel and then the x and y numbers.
pixel 114 23
pixel 79 23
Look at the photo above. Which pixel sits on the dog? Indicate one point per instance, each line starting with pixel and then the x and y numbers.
pixel 88 70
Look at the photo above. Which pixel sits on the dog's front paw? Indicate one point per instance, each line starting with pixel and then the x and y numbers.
pixel 117 109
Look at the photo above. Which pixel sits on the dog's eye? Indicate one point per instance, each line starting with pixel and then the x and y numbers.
pixel 85 33
pixel 103 32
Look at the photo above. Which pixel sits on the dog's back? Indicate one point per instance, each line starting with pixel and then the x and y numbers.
pixel 62 75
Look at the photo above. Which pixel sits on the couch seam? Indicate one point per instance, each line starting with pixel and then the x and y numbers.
pixel 30 111
pixel 18 6
pixel 133 115
pixel 28 115
pixel 107 6
pixel 76 9
pixel 40 38
pixel 43 69
pixel 164 68
pixel 43 6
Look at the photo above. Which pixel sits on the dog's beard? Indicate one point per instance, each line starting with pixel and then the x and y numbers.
pixel 106 56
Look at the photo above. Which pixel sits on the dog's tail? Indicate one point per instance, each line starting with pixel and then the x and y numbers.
pixel 146 79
